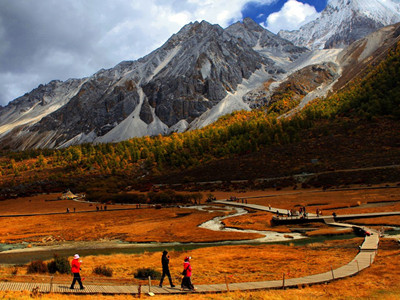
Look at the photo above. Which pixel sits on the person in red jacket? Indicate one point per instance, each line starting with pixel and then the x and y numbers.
pixel 187 274
pixel 75 269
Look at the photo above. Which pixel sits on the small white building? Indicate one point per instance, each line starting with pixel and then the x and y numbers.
pixel 68 196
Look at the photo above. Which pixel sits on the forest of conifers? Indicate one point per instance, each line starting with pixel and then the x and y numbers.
pixel 376 95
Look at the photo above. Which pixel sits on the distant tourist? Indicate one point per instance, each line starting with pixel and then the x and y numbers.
pixel 165 268
pixel 67 210
pixel 75 269
pixel 187 274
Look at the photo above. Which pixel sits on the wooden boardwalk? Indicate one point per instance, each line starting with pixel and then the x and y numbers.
pixel 361 261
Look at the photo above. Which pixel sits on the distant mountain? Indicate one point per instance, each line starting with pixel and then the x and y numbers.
pixel 160 93
pixel 343 22
pixel 200 74
pixel 264 41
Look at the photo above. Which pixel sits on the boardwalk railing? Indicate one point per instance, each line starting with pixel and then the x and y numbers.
pixel 361 261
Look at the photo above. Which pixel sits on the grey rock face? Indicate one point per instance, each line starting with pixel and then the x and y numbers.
pixel 169 88
pixel 189 74
pixel 97 104
pixel 359 27
pixel 261 39
pixel 145 113
pixel 41 96
pixel 43 100
pixel 208 64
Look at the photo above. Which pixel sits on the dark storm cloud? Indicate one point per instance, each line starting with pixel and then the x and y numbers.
pixel 45 40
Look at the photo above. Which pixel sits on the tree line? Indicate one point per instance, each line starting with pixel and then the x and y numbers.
pixel 241 132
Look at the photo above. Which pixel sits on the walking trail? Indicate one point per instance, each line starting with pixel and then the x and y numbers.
pixel 361 261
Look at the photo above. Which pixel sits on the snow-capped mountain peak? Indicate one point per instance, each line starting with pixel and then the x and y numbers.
pixel 201 73
pixel 345 21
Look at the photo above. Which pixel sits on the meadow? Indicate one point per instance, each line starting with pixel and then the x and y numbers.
pixel 213 264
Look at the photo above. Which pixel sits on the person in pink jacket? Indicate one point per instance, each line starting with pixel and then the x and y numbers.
pixel 75 269
pixel 187 274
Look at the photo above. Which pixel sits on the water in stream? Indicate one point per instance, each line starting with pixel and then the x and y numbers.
pixel 17 256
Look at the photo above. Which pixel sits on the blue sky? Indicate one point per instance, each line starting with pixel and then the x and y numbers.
pixel 259 12
pixel 43 40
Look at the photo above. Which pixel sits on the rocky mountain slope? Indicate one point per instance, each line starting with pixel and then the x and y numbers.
pixel 345 21
pixel 201 73
pixel 163 92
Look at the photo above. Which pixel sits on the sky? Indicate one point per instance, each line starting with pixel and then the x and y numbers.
pixel 44 40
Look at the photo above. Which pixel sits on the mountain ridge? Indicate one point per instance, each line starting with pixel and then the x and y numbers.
pixel 159 93
pixel 199 74
pixel 343 22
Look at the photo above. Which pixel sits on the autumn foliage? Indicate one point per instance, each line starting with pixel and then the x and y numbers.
pixel 376 95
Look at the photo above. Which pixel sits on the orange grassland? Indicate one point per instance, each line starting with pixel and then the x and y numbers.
pixel 239 263
pixel 87 224
pixel 212 264
pixel 380 281
pixel 180 224
pixel 360 200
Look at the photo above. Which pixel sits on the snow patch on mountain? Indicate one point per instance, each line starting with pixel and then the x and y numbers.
pixel 344 21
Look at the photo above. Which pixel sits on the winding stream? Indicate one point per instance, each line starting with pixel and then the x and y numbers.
pixel 22 255
pixel 268 236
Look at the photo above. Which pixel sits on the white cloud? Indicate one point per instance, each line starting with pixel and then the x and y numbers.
pixel 292 16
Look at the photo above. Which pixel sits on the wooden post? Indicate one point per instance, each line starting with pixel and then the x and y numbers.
pixel 370 260
pixel 149 284
pixel 283 281
pixel 333 276
pixel 358 267
pixel 140 290
pixel 227 285
pixel 51 284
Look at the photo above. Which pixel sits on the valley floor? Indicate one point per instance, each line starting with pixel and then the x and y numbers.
pixel 240 262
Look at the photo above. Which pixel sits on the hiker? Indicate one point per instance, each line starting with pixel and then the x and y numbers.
pixel 187 274
pixel 165 268
pixel 75 269
pixel 67 210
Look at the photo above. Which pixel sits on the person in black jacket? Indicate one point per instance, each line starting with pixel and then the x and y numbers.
pixel 165 268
